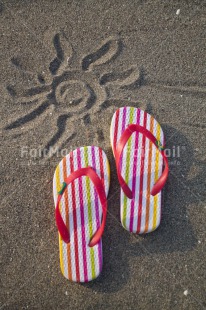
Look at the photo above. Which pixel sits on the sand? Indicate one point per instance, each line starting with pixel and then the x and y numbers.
pixel 66 66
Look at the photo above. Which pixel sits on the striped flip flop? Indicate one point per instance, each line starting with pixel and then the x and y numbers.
pixel 80 187
pixel 137 142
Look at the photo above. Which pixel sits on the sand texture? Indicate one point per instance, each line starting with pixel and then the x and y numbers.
pixel 66 66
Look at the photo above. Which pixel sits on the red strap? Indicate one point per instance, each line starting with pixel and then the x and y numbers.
pixel 89 172
pixel 118 152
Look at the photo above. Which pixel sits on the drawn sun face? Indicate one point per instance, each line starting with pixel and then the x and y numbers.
pixel 72 93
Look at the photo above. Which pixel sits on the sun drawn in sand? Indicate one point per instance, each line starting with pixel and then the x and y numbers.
pixel 72 94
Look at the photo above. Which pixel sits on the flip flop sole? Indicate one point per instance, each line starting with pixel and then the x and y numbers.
pixel 82 212
pixel 141 166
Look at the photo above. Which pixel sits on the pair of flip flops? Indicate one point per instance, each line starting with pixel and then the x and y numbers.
pixel 81 185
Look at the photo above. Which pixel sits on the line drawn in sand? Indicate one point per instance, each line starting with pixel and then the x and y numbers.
pixel 71 94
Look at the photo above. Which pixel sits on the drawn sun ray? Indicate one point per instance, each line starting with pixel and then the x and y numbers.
pixel 24 72
pixel 109 50
pixel 63 51
pixel 180 88
pixel 31 94
pixel 123 79
pixel 72 93
pixel 61 127
pixel 29 117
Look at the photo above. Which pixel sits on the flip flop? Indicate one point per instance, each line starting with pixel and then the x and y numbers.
pixel 80 187
pixel 137 142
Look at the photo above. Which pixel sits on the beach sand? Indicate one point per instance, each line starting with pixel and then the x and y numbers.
pixel 66 67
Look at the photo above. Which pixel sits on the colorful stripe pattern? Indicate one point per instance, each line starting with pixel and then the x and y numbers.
pixel 141 166
pixel 81 211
